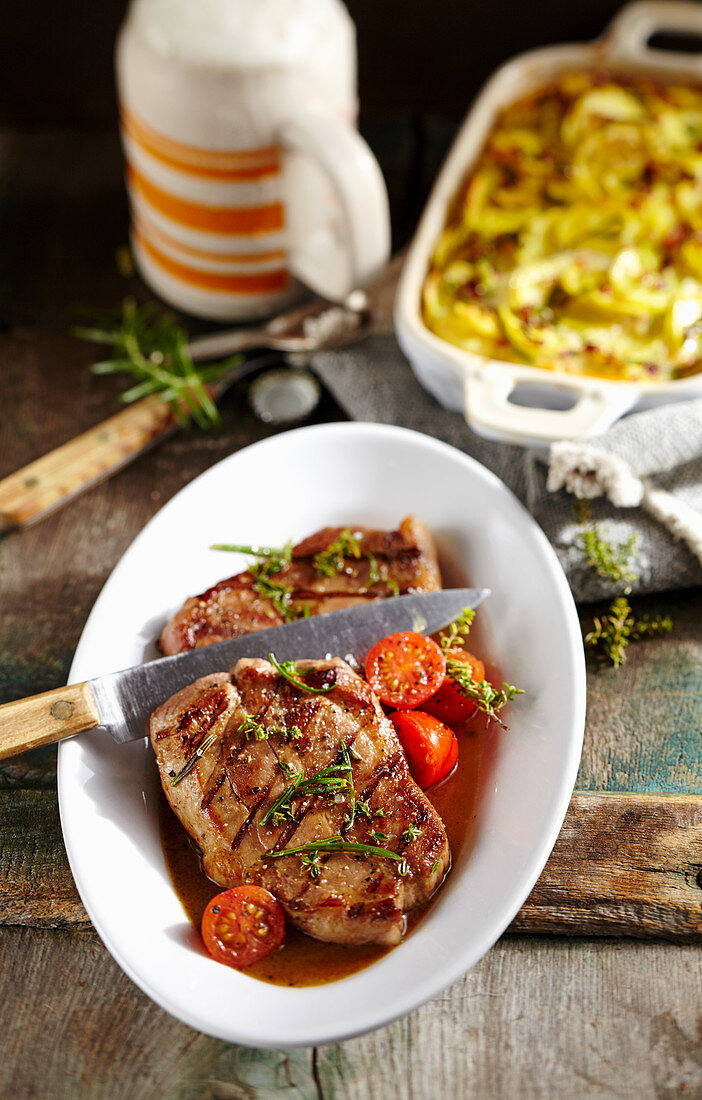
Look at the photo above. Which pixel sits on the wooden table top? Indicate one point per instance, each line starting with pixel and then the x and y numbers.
pixel 538 1016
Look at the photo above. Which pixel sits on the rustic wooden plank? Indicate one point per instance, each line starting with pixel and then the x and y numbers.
pixel 74 1027
pixel 644 720
pixel 36 885
pixel 622 865
pixel 534 1018
pixel 540 1018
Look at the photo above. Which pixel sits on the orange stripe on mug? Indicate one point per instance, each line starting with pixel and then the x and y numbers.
pixel 244 164
pixel 157 233
pixel 265 282
pixel 233 220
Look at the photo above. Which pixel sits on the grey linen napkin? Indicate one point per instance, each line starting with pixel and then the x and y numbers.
pixel 373 381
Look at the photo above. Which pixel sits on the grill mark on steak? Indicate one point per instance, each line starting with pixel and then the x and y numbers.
pixel 357 898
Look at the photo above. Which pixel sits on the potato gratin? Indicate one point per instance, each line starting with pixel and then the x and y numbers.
pixel 575 243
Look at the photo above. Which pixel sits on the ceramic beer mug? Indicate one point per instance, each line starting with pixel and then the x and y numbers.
pixel 244 168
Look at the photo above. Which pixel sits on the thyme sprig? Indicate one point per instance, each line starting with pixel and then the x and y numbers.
pixel 289 671
pixel 487 698
pixel 329 780
pixel 604 557
pixel 253 730
pixel 193 759
pixel 457 632
pixel 153 349
pixel 614 631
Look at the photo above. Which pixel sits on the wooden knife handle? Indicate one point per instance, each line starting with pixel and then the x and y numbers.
pixel 31 493
pixel 43 719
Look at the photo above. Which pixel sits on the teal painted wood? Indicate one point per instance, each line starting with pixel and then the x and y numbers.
pixel 644 720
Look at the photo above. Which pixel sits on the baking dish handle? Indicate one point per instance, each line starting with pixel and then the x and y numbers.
pixel 628 36
pixel 489 411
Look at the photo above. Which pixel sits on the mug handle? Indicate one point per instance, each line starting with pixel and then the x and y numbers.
pixel 356 177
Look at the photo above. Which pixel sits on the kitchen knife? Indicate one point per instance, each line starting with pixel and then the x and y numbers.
pixel 123 701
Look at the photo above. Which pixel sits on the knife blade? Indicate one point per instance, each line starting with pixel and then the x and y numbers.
pixel 121 702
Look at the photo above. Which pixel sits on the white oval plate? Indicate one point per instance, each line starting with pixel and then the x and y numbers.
pixel 285 487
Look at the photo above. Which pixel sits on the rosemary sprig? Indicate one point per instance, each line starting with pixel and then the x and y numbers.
pixel 153 349
pixel 271 559
pixel 351 816
pixel 487 698
pixel 615 630
pixel 289 671
pixel 456 633
pixel 326 781
pixel 337 844
pixel 410 833
pixel 193 759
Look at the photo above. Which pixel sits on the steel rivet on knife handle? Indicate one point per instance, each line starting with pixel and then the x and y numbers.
pixel 46 718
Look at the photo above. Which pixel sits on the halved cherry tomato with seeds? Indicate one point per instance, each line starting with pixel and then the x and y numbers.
pixel 404 669
pixel 431 747
pixel 242 925
pixel 450 704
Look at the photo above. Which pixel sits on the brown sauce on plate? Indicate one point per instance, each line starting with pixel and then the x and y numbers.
pixel 302 960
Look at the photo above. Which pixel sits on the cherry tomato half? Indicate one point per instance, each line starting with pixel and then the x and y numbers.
pixel 405 669
pixel 431 747
pixel 243 925
pixel 450 704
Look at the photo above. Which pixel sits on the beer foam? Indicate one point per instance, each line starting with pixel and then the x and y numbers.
pixel 244 33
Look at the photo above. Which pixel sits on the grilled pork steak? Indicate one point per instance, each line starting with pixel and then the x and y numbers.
pixel 388 563
pixel 267 732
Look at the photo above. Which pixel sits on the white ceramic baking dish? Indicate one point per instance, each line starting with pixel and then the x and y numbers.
pixel 512 402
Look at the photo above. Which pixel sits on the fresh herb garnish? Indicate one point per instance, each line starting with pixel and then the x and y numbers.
pixel 252 729
pixel 410 833
pixel 351 815
pixel 271 559
pixel 326 781
pixel 377 835
pixel 337 844
pixel 614 631
pixel 310 862
pixel 153 349
pixel 332 560
pixel 604 557
pixel 456 632
pixel 280 596
pixel 487 698
pixel 289 671
pixel 192 760
pixel 435 867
